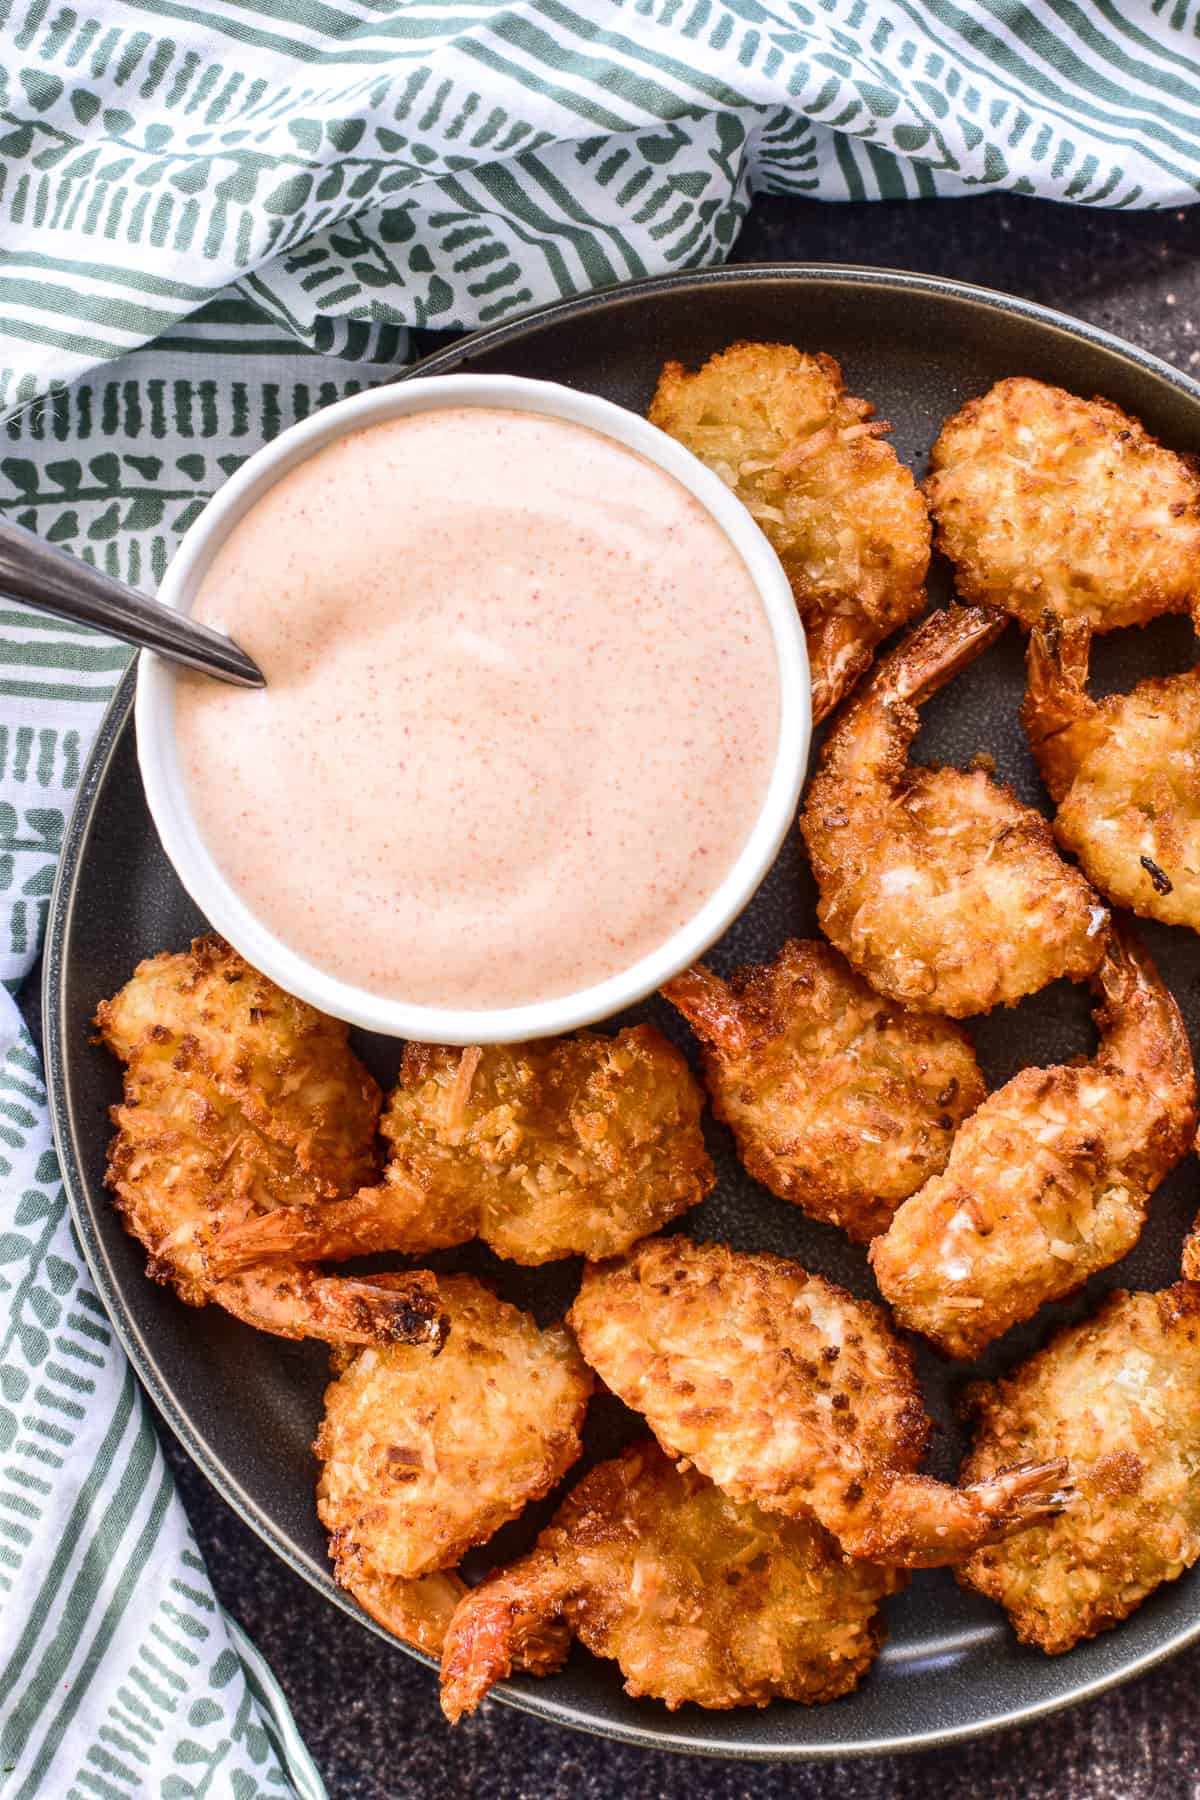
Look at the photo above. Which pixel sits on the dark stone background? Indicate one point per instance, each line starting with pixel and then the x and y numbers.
pixel 369 1714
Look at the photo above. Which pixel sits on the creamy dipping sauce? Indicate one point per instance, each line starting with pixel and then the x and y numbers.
pixel 521 712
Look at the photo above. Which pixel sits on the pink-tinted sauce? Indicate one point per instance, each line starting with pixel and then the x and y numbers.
pixel 520 714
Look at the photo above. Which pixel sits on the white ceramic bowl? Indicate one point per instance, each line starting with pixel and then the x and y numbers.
pixel 167 794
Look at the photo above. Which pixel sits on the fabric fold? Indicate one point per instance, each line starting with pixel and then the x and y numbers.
pixel 443 165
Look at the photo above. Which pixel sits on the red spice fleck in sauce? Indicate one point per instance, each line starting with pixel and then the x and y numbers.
pixel 521 711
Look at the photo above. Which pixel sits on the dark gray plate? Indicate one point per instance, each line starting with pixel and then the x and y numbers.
pixel 247 1406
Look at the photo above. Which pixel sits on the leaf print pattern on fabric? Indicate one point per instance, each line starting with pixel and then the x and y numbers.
pixel 175 1701
pixel 435 164
pixel 93 1541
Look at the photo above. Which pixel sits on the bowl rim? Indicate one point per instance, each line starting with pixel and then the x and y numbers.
pixel 197 866
pixel 522 1694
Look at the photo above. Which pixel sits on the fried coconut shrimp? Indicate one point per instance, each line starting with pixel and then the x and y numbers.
pixel 937 883
pixel 574 1146
pixel 1119 1395
pixel 791 1394
pixel 1125 772
pixel 838 1099
pixel 238 1099
pixel 842 513
pixel 1046 502
pixel 1050 1180
pixel 695 1597
pixel 424 1456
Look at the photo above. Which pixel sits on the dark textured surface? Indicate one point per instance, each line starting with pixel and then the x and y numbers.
pixel 369 1714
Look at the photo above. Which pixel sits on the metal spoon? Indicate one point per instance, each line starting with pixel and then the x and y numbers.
pixel 31 570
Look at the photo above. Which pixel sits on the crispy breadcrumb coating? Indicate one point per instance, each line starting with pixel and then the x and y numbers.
pixel 1050 1180
pixel 1119 1396
pixel 1046 502
pixel 789 1393
pixel 239 1099
pixel 841 1101
pixel 424 1456
pixel 842 513
pixel 938 884
pixel 572 1146
pixel 287 1067
pixel 696 1597
pixel 1125 772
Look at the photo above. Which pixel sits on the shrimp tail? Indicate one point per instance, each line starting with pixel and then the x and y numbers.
pixel 1056 713
pixel 872 735
pixel 911 1521
pixel 512 1620
pixel 710 1008
pixel 1142 1033
pixel 1128 985
pixel 397 1215
pixel 365 1309
pixel 839 654
pixel 935 651
pixel 417 1609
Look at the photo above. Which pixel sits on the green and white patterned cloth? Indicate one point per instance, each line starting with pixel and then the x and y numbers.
pixel 274 191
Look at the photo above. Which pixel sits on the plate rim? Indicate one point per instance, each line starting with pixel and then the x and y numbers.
pixel 812 274
pixel 61 913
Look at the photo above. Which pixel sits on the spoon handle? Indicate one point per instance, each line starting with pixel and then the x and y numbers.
pixel 31 570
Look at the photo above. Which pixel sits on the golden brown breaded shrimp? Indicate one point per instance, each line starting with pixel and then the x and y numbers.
pixel 424 1456
pixel 1119 1396
pixel 573 1146
pixel 696 1597
pixel 937 883
pixel 238 1099
pixel 1050 1180
pixel 287 1067
pixel 842 513
pixel 789 1393
pixel 1046 502
pixel 839 1100
pixel 1125 772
